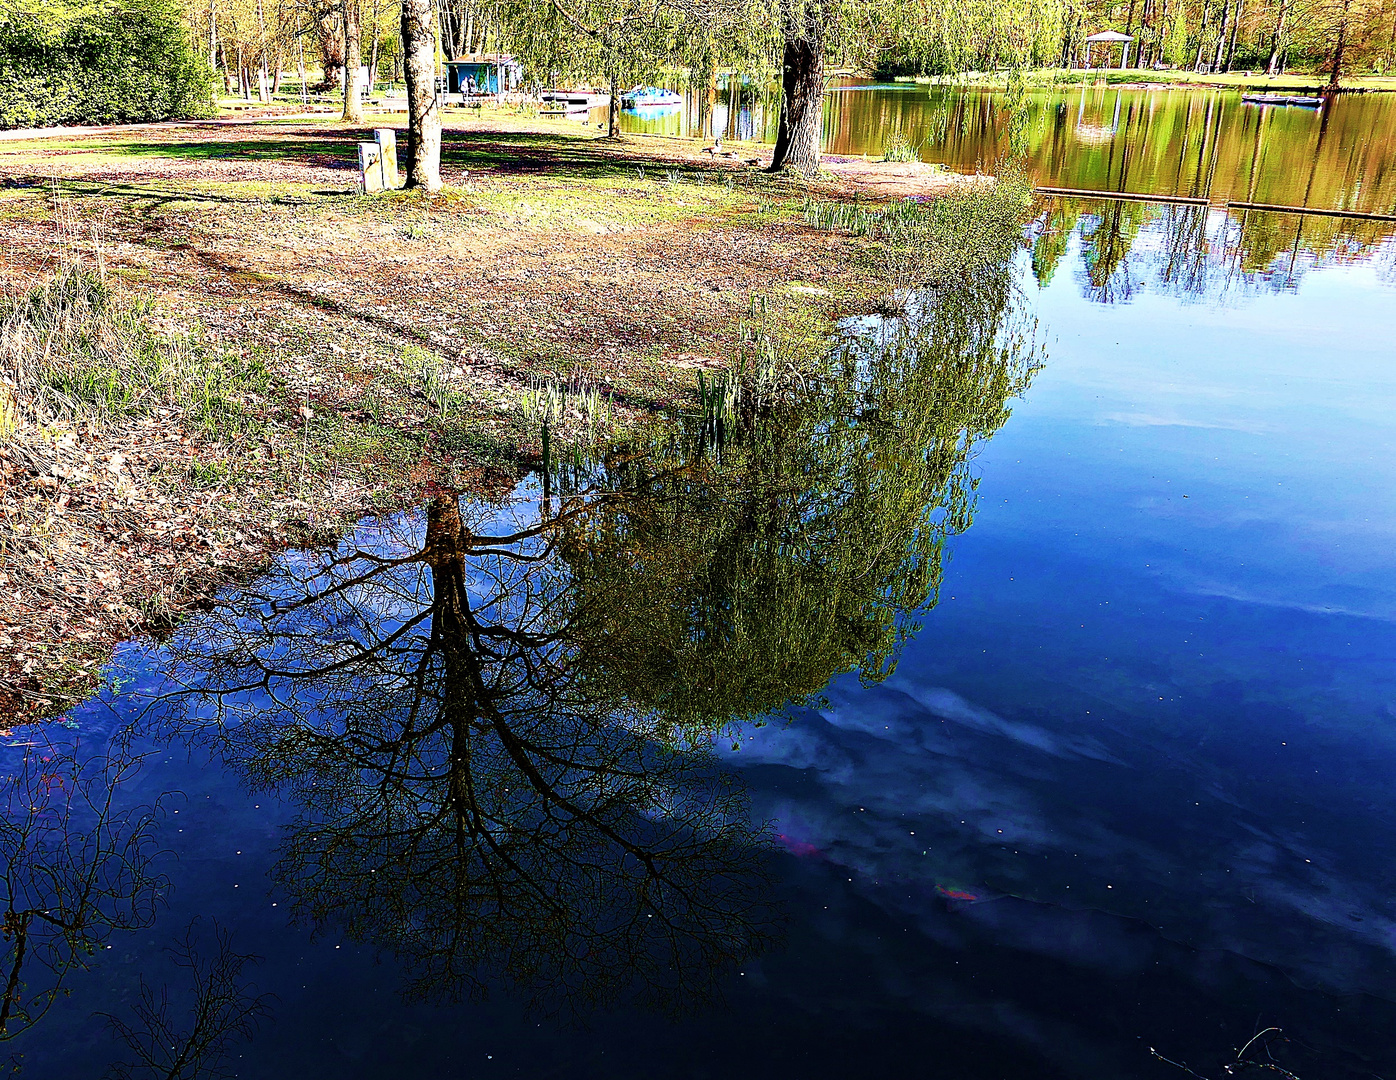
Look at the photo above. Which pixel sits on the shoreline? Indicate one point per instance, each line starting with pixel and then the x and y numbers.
pixel 374 350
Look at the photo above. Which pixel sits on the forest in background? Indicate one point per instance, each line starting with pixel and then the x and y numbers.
pixel 940 37
pixel 107 61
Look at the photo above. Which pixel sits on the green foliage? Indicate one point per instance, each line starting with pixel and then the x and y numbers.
pixel 97 62
pixel 1175 41
pixel 946 37
pixel 634 41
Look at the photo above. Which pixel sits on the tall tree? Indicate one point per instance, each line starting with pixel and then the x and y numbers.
pixel 940 36
pixel 353 59
pixel 1342 13
pixel 801 88
pixel 423 110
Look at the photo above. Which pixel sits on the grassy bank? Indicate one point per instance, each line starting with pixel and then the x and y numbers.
pixel 214 348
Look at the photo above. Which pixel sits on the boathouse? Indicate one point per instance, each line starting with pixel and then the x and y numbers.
pixel 481 75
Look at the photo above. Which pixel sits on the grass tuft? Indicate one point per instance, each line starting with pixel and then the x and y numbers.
pixel 75 347
pixel 897 147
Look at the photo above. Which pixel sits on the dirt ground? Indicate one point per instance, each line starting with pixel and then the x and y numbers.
pixel 393 336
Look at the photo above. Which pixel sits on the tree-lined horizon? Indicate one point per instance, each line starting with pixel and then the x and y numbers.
pixel 107 61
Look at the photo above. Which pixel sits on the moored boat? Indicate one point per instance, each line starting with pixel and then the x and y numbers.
pixel 646 96
pixel 1301 100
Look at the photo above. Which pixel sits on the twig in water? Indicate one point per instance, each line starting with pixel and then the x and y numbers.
pixel 1241 1063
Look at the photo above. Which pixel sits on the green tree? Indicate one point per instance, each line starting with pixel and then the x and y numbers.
pixel 98 62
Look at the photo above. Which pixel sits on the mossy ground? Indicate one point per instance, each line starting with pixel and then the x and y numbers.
pixel 394 337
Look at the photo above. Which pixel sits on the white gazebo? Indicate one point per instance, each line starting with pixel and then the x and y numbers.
pixel 1112 37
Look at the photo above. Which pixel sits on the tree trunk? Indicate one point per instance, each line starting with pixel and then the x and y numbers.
pixel 213 34
pixel 613 111
pixel 376 29
pixel 327 24
pixel 1336 74
pixel 1221 38
pixel 1235 25
pixel 710 100
pixel 1273 67
pixel 801 94
pixel 353 60
pixel 462 24
pixel 423 115
pixel 1201 39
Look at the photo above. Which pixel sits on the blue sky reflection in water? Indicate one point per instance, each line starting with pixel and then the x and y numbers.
pixel 1148 728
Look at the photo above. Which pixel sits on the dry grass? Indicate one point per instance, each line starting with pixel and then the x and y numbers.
pixel 112 424
pixel 76 349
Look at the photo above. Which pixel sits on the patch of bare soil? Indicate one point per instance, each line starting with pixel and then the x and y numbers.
pixel 894 179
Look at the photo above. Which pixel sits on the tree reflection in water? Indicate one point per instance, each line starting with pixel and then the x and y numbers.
pixel 75 867
pixel 497 722
pixel 1194 252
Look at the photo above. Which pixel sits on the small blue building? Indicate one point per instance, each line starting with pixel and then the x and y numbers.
pixel 483 75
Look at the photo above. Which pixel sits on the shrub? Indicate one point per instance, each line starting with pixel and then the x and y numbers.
pixel 97 63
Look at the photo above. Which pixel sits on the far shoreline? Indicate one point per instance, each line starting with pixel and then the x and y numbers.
pixel 1139 79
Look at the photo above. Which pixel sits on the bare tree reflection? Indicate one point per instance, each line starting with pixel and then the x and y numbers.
pixel 74 867
pixel 467 800
pixel 223 1008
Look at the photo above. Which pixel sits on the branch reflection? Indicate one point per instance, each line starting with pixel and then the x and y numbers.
pixel 497 722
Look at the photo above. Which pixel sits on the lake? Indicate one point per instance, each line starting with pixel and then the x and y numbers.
pixel 1199 143
pixel 1015 702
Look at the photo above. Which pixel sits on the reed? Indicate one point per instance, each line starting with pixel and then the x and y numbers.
pixel 577 406
pixel 429 377
pixel 897 147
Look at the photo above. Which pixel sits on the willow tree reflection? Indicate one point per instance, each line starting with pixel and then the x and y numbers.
pixel 497 724
pixel 781 542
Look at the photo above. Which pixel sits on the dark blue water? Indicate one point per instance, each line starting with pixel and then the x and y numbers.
pixel 1129 786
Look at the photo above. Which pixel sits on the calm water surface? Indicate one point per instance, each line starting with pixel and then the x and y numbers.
pixel 1022 701
pixel 1199 143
